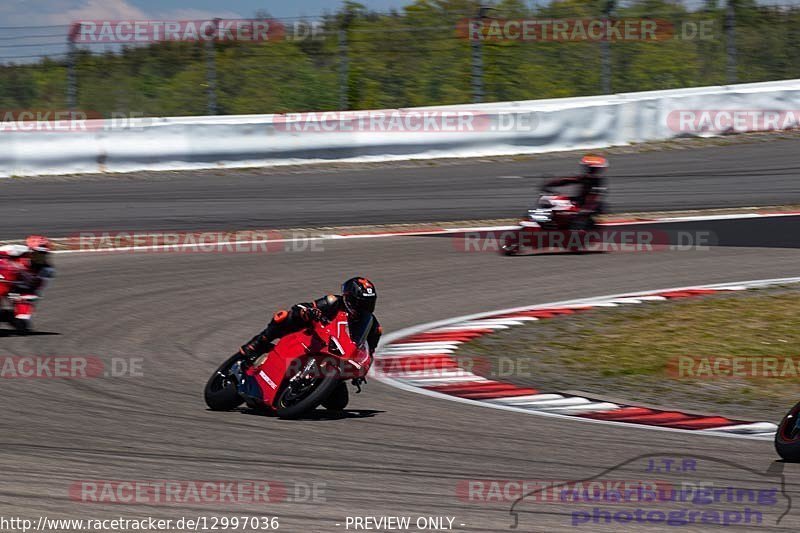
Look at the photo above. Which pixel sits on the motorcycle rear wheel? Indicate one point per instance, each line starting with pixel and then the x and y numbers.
pixel 221 393
pixel 787 438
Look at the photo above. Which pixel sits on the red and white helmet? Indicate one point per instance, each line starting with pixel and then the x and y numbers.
pixel 593 164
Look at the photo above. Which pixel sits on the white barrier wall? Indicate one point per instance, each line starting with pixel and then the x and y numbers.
pixel 484 129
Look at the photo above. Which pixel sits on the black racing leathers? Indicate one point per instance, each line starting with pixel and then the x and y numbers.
pixel 301 316
pixel 590 195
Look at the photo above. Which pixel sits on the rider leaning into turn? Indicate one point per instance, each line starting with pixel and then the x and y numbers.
pixel 357 300
pixel 32 261
pixel 592 185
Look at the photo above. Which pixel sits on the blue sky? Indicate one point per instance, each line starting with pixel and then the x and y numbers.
pixel 44 12
pixel 277 8
pixel 24 45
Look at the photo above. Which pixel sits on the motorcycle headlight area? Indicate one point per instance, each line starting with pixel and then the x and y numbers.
pixel 335 347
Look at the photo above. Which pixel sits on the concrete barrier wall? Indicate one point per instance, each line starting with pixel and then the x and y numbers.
pixel 502 128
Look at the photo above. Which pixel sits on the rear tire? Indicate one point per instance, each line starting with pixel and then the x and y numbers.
pixel 221 393
pixel 787 438
pixel 338 399
pixel 322 389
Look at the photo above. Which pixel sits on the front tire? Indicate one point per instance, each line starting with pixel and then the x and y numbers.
pixel 293 403
pixel 22 326
pixel 510 246
pixel 787 438
pixel 221 393
pixel 338 399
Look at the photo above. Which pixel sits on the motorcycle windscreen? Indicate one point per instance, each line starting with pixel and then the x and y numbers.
pixel 359 329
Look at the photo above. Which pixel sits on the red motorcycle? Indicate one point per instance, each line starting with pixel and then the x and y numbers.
pixel 304 370
pixel 16 307
pixel 555 222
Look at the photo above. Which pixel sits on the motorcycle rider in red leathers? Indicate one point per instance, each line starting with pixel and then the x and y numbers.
pixel 357 299
pixel 33 263
pixel 30 264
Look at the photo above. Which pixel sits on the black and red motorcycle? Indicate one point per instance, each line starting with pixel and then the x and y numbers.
pixel 556 222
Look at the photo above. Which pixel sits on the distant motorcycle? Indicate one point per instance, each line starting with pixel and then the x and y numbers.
pixel 16 304
pixel 787 438
pixel 556 221
pixel 304 370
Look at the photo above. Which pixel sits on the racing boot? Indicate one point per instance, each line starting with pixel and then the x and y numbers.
pixel 255 350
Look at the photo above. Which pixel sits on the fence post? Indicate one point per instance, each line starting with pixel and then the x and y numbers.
pixel 72 78
pixel 605 52
pixel 730 37
pixel 211 70
pixel 478 92
pixel 344 72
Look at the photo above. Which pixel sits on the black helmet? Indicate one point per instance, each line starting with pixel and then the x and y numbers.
pixel 359 296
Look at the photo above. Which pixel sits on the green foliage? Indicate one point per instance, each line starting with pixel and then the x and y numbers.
pixel 415 57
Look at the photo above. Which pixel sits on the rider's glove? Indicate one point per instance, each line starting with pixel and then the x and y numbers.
pixel 313 314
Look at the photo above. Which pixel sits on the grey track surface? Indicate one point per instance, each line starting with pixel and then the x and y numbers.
pixel 184 313
pixel 737 175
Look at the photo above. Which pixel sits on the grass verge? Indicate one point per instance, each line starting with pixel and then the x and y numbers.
pixel 631 352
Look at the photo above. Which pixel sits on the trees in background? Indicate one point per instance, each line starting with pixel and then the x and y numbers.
pixel 414 57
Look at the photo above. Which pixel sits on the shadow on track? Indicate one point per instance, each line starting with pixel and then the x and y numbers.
pixel 321 414
pixel 13 333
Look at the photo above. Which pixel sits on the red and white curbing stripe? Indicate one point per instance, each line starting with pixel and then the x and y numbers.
pixel 421 359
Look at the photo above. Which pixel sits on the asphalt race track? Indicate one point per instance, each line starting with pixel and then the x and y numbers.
pixel 736 175
pixel 395 453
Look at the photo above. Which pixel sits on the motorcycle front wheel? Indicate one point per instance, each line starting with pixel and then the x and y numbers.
pixel 338 399
pixel 305 391
pixel 787 438
pixel 510 245
pixel 21 325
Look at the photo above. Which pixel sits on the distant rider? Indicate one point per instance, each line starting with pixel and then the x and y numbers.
pixel 592 186
pixel 32 263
